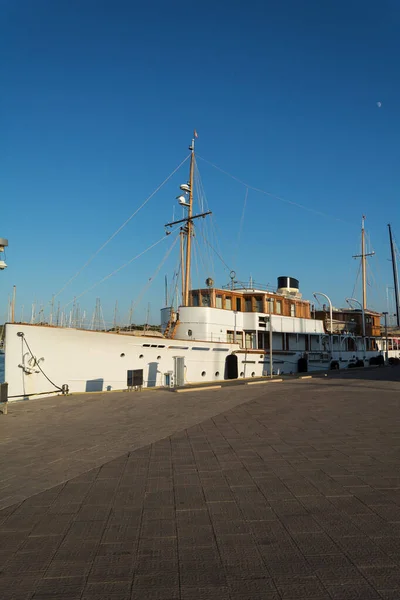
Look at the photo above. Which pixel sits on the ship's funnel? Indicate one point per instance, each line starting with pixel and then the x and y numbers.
pixel 288 286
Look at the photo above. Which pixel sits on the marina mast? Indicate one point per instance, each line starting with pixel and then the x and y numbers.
pixel 395 276
pixel 363 257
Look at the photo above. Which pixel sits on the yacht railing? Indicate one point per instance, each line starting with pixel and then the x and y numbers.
pixel 248 285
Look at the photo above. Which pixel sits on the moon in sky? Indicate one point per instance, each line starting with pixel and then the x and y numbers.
pixel 379 104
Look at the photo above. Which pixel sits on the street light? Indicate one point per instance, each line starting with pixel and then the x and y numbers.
pixel 3 244
pixel 315 294
pixel 271 365
pixel 349 300
pixel 385 314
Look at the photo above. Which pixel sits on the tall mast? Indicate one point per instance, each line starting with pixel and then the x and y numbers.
pixel 363 257
pixel 395 276
pixel 51 310
pixel 364 265
pixel 189 227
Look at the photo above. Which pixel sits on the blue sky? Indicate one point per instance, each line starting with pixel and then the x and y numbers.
pixel 99 100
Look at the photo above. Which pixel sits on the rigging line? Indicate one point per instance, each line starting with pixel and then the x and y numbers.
pixel 255 189
pixel 207 231
pixel 357 278
pixel 196 261
pixel 219 256
pixel 199 189
pixel 116 270
pixel 173 290
pixel 240 226
pixel 207 207
pixel 175 279
pixel 150 281
pixel 204 259
pixel 205 254
pixel 121 227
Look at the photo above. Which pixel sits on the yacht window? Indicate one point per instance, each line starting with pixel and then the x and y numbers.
pixel 278 307
pixel 238 304
pixel 205 299
pixel 228 303
pixel 259 304
pixel 195 300
pixel 218 301
pixel 292 310
pixel 230 337
pixel 247 304
pixel 250 339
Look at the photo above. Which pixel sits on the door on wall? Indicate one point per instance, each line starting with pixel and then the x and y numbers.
pixel 231 367
pixel 179 370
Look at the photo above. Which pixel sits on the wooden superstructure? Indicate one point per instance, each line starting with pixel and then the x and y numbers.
pixel 351 321
pixel 256 301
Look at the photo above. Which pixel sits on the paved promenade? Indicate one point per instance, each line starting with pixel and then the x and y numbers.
pixel 279 491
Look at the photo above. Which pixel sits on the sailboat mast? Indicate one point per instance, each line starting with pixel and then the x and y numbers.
pixel 363 265
pixel 363 257
pixel 395 276
pixel 189 227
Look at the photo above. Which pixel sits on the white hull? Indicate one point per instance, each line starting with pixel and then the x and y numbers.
pixel 90 361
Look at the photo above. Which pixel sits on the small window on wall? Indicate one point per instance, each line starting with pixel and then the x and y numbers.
pixel 228 303
pixel 292 310
pixel 231 338
pixel 195 299
pixel 205 300
pixel 247 304
pixel 278 307
pixel 218 301
pixel 238 304
pixel 351 345
pixel 259 304
pixel 250 339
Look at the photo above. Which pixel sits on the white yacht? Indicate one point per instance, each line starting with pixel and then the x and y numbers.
pixel 237 331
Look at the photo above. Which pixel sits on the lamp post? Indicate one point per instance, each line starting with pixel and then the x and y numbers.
pixel 385 314
pixel 349 300
pixel 271 365
pixel 315 294
pixel 3 245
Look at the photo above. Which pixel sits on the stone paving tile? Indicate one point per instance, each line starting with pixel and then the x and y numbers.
pixel 113 590
pixel 353 591
pixel 245 588
pixel 205 593
pixel 155 593
pixel 302 587
pixel 59 588
pixel 287 495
